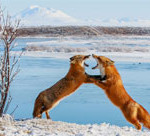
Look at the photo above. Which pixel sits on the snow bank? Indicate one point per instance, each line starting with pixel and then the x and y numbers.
pixel 118 48
pixel 44 127
pixel 67 49
pixel 116 56
pixel 106 40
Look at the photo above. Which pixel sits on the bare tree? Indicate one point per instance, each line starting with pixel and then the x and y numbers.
pixel 9 66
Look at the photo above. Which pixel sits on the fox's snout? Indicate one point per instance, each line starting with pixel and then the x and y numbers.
pixel 87 56
pixel 94 56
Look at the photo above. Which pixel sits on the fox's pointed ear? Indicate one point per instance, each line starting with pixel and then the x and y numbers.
pixel 72 60
pixel 110 62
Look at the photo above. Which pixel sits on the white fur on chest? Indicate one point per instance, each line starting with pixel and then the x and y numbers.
pixel 82 64
pixel 101 68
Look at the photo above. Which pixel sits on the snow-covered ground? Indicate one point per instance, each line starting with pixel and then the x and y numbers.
pixel 44 127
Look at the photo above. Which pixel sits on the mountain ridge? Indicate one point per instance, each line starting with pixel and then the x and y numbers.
pixel 41 16
pixel 38 16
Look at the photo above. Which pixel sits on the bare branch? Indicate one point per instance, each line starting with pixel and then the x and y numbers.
pixel 7 105
pixel 14 110
pixel 8 63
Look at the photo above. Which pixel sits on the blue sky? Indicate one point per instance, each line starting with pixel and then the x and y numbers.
pixel 87 9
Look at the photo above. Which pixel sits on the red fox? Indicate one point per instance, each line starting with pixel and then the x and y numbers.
pixel 50 97
pixel 114 89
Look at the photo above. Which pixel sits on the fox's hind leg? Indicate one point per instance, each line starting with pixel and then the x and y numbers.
pixel 46 109
pixel 130 113
pixel 135 122
pixel 143 117
pixel 47 115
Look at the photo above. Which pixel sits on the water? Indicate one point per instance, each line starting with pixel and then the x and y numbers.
pixel 89 104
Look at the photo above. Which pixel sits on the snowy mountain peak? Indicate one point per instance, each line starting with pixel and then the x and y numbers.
pixel 34 6
pixel 37 16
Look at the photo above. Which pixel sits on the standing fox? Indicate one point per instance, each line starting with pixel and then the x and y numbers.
pixel 50 97
pixel 116 92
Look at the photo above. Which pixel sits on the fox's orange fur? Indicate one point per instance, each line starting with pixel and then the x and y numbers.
pixel 116 92
pixel 76 76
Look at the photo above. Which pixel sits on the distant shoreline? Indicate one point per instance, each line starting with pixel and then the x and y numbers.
pixel 58 31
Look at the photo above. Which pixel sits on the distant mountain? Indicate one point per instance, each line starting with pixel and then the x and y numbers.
pixel 119 22
pixel 40 16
